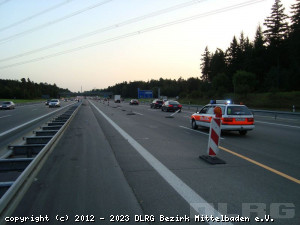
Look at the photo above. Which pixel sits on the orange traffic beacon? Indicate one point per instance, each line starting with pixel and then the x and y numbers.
pixel 214 138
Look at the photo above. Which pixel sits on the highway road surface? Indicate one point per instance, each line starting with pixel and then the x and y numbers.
pixel 23 119
pixel 120 163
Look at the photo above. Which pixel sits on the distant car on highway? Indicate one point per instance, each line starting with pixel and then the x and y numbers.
pixel 156 104
pixel 234 117
pixel 47 101
pixel 7 105
pixel 134 102
pixel 54 103
pixel 171 106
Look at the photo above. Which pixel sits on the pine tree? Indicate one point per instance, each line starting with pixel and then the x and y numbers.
pixel 233 57
pixel 244 52
pixel 232 51
pixel 259 65
pixel 259 40
pixel 295 18
pixel 217 64
pixel 205 65
pixel 294 48
pixel 242 43
pixel 277 27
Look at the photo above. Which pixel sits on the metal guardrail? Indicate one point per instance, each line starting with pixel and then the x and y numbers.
pixel 16 189
pixel 275 114
pixel 270 113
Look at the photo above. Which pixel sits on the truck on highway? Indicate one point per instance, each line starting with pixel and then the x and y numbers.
pixel 117 98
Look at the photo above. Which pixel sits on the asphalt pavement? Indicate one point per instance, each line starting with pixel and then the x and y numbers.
pixel 121 160
pixel 18 122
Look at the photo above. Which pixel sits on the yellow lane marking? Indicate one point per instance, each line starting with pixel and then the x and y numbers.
pixel 261 165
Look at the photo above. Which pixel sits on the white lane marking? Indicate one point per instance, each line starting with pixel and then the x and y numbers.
pixel 189 112
pixel 145 106
pixel 198 131
pixel 33 109
pixel 138 113
pixel 284 125
pixel 278 118
pixel 188 194
pixel 4 116
pixel 31 121
pixel 30 105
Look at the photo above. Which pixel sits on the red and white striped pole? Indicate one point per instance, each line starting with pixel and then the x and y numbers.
pixel 214 139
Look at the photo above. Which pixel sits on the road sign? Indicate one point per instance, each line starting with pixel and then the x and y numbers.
pixel 145 93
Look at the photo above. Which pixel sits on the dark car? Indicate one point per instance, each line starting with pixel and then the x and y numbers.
pixel 171 106
pixel 156 104
pixel 134 102
pixel 7 105
pixel 47 101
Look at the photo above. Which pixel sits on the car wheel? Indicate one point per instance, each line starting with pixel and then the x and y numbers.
pixel 194 125
pixel 243 132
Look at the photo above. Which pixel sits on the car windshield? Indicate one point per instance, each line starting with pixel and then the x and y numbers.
pixel 54 100
pixel 238 110
pixel 6 103
pixel 159 101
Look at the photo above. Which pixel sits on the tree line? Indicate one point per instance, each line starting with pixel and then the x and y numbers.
pixel 268 63
pixel 168 87
pixel 26 89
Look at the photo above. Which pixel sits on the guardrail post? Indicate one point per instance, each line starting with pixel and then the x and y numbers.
pixel 294 108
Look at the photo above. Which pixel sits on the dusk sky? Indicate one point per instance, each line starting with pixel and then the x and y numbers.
pixel 98 43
